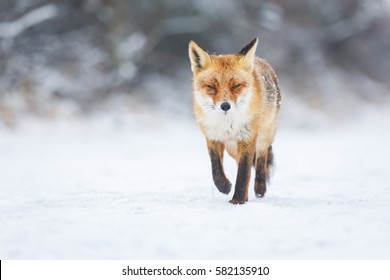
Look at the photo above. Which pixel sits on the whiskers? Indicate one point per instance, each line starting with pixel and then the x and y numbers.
pixel 208 106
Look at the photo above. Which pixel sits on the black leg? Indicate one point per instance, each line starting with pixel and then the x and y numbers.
pixel 244 172
pixel 216 155
pixel 263 168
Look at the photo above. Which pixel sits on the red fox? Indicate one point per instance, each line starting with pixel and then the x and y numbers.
pixel 237 102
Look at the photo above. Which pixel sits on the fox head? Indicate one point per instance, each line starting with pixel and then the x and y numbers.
pixel 222 83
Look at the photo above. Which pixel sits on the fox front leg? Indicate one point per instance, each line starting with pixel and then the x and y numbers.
pixel 243 175
pixel 216 155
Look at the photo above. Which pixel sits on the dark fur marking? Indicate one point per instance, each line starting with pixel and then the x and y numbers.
pixel 279 94
pixel 197 56
pixel 270 162
pixel 240 191
pixel 219 177
pixel 197 59
pixel 278 98
pixel 263 169
pixel 200 46
pixel 260 178
pixel 246 49
pixel 273 90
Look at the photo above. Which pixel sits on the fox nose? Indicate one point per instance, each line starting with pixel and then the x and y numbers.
pixel 225 106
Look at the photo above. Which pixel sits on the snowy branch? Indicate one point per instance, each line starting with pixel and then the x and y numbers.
pixel 16 27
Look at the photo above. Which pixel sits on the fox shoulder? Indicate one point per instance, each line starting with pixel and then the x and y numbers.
pixel 269 79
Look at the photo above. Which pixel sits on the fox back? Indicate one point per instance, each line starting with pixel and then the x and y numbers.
pixel 236 102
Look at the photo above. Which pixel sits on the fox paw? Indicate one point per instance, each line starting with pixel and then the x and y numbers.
pixel 260 189
pixel 223 185
pixel 238 200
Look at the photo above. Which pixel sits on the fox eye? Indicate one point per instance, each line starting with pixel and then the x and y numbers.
pixel 236 86
pixel 211 87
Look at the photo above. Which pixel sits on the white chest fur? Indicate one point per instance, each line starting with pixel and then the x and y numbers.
pixel 233 126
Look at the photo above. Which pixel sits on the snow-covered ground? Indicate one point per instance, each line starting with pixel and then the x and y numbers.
pixel 139 187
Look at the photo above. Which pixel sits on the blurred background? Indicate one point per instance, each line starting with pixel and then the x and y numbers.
pixel 100 156
pixel 82 56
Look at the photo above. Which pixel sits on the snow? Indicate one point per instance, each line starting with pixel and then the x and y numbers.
pixel 139 186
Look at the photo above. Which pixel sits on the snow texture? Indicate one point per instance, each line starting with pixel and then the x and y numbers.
pixel 140 187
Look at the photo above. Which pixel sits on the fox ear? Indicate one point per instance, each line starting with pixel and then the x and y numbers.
pixel 248 54
pixel 199 57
